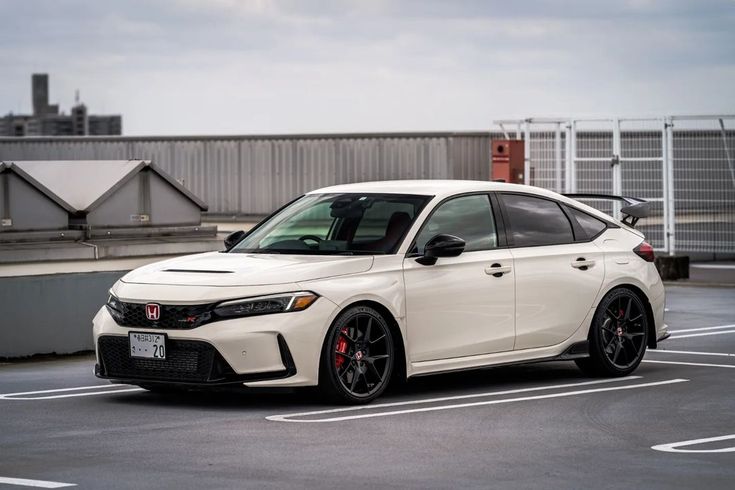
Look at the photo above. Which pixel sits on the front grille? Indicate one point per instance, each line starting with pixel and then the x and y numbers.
pixel 186 361
pixel 171 316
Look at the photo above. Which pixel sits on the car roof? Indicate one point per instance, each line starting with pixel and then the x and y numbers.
pixel 446 188
pixel 422 187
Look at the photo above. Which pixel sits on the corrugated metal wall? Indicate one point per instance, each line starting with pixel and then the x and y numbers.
pixel 254 175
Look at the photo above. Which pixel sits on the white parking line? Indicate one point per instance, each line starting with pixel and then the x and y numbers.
pixel 674 446
pixel 458 397
pixel 22 395
pixel 696 353
pixel 721 332
pixel 700 364
pixel 35 483
pixel 701 329
pixel 290 417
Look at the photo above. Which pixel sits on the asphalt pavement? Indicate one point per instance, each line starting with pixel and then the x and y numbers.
pixel 534 426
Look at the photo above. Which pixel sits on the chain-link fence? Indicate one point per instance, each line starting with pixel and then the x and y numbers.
pixel 683 165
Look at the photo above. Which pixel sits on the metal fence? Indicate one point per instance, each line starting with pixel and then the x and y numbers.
pixel 683 165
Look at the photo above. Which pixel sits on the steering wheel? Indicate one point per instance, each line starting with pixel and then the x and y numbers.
pixel 311 237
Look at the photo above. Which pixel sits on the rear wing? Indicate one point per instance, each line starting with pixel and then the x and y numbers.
pixel 634 210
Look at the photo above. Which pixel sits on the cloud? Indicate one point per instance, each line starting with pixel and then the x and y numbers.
pixel 186 66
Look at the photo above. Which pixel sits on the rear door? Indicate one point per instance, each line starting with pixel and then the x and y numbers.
pixel 558 270
pixel 460 306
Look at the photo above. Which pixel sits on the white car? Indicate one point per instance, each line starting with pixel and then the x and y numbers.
pixel 352 286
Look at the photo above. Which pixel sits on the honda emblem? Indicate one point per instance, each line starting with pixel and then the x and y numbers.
pixel 153 311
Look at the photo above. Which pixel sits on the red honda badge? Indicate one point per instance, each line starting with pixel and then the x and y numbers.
pixel 152 311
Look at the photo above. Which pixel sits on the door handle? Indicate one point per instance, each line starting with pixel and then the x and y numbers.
pixel 582 264
pixel 497 270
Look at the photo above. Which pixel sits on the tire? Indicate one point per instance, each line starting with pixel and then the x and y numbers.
pixel 618 335
pixel 358 357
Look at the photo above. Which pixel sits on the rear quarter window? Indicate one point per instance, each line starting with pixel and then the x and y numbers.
pixel 591 225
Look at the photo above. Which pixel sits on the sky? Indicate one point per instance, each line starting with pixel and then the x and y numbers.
pixel 308 66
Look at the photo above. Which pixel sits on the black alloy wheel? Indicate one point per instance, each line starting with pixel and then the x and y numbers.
pixel 618 335
pixel 358 356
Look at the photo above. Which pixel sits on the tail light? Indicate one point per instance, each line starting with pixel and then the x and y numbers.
pixel 645 251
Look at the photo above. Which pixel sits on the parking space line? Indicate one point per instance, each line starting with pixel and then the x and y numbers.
pixel 460 397
pixel 700 364
pixel 701 329
pixel 720 332
pixel 290 417
pixel 22 482
pixel 696 353
pixel 66 394
pixel 674 446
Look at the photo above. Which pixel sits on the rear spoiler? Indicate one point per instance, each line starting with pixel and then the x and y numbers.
pixel 635 209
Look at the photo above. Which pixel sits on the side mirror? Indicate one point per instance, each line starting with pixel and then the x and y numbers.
pixel 441 246
pixel 233 239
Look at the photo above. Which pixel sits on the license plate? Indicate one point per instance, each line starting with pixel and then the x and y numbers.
pixel 147 345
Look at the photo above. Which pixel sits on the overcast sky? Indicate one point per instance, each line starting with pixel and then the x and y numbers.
pixel 259 66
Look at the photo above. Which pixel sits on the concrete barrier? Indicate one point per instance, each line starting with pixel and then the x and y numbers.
pixel 51 313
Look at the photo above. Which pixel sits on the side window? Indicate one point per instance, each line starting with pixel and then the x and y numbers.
pixel 468 217
pixel 536 221
pixel 591 225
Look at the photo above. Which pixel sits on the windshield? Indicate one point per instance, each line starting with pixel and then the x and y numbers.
pixel 336 224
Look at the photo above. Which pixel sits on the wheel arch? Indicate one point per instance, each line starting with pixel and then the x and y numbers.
pixel 400 372
pixel 646 305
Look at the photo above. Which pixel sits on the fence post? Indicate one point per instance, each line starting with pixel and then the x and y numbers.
pixel 557 158
pixel 573 169
pixel 617 177
pixel 568 158
pixel 665 182
pixel 669 204
pixel 527 154
pixel 727 151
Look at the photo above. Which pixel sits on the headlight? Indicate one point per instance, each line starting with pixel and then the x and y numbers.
pixel 264 305
pixel 116 309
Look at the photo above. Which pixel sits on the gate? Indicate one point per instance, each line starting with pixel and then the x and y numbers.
pixel 682 165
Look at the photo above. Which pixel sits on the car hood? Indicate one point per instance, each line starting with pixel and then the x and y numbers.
pixel 235 269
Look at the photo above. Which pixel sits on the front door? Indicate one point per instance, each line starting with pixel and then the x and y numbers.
pixel 460 306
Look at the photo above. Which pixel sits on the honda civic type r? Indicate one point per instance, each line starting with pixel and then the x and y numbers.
pixel 352 286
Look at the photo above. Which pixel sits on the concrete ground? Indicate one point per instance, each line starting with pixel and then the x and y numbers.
pixel 534 426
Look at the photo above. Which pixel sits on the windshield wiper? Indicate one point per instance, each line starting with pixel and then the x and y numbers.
pixel 256 251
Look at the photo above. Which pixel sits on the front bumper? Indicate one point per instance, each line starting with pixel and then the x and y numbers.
pixel 188 362
pixel 269 350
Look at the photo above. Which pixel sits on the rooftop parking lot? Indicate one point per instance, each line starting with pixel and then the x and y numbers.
pixel 534 426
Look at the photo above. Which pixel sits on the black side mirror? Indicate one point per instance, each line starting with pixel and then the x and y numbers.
pixel 441 246
pixel 233 239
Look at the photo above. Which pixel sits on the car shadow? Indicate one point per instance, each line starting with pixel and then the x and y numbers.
pixel 423 387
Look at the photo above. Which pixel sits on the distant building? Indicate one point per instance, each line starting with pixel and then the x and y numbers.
pixel 46 120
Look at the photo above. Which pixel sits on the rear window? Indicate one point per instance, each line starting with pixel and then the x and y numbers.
pixel 535 221
pixel 591 225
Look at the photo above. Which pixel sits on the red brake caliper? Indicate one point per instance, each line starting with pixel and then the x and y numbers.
pixel 342 347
